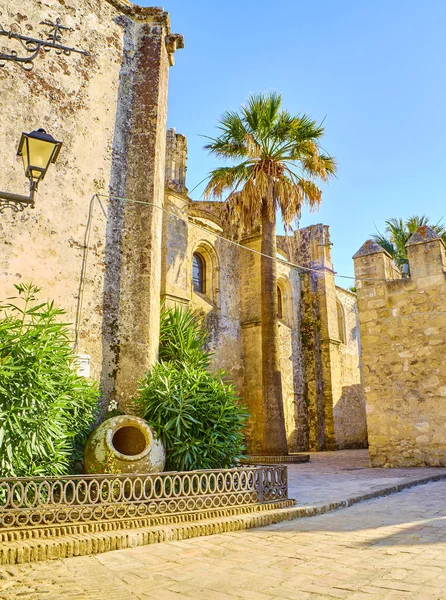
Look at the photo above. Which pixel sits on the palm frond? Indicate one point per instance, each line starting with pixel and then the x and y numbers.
pixel 227 179
pixel 281 161
pixel 398 233
pixel 384 243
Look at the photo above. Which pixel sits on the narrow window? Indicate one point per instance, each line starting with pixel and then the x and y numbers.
pixel 341 322
pixel 279 304
pixel 198 273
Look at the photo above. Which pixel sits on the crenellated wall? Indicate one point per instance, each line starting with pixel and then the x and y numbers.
pixel 403 337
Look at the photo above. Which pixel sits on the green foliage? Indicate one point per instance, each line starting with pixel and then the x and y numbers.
pixel 276 157
pixel 398 232
pixel 195 413
pixel 46 409
pixel 183 337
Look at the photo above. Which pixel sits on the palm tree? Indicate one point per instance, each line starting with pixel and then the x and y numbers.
pixel 276 159
pixel 398 232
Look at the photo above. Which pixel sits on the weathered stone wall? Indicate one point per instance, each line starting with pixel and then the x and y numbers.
pixel 403 334
pixel 74 99
pixel 221 301
pixel 349 407
pixel 220 305
pixel 252 341
pixel 109 109
pixel 189 228
pixel 290 356
pixel 231 302
pixel 333 392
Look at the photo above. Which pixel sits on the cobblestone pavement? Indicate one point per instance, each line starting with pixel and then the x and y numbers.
pixel 388 548
pixel 334 476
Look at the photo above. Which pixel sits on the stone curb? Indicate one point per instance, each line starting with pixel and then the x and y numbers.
pixel 32 550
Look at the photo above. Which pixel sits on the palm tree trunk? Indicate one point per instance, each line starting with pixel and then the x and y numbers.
pixel 274 434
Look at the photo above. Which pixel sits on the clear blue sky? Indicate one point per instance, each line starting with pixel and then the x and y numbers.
pixel 374 69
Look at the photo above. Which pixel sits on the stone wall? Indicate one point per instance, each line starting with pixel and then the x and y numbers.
pixel 333 391
pixel 231 302
pixel 290 356
pixel 320 367
pixel 349 407
pixel 403 334
pixel 231 306
pixel 290 353
pixel 188 227
pixel 74 99
pixel 109 110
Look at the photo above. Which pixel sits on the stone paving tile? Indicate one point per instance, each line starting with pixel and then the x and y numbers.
pixel 334 476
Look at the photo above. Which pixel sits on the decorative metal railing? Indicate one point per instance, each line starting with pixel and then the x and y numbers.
pixel 52 501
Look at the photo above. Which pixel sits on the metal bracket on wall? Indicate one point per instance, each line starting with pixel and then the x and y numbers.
pixel 33 45
pixel 17 202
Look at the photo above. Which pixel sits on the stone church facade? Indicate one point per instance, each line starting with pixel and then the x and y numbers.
pixel 203 268
pixel 111 262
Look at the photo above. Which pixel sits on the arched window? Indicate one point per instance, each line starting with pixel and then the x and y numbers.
pixel 205 276
pixel 199 273
pixel 341 322
pixel 279 303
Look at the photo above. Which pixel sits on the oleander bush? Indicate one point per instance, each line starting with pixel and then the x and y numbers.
pixel 196 413
pixel 46 409
pixel 183 337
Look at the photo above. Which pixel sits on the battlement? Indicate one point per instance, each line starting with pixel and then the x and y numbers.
pixel 426 254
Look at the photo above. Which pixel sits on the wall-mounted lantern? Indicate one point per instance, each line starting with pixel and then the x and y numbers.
pixel 38 150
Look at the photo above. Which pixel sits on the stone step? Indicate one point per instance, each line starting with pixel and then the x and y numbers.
pixel 65 546
pixel 298 457
pixel 53 530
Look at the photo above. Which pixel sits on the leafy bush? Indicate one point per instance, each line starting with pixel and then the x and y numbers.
pixel 183 338
pixel 195 413
pixel 46 409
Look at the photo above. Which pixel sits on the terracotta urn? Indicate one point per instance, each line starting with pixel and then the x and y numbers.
pixel 124 444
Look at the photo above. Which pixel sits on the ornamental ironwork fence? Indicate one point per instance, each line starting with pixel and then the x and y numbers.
pixel 52 501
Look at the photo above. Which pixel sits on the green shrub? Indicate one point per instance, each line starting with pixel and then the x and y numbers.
pixel 195 413
pixel 46 409
pixel 183 337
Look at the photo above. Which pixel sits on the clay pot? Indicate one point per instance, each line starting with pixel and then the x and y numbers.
pixel 124 444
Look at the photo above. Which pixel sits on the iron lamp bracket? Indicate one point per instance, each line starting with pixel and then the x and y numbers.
pixel 33 45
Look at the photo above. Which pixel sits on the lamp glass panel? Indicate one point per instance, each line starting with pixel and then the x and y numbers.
pixel 40 154
pixel 25 155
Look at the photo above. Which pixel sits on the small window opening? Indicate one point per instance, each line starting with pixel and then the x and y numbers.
pixel 279 304
pixel 341 322
pixel 198 273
